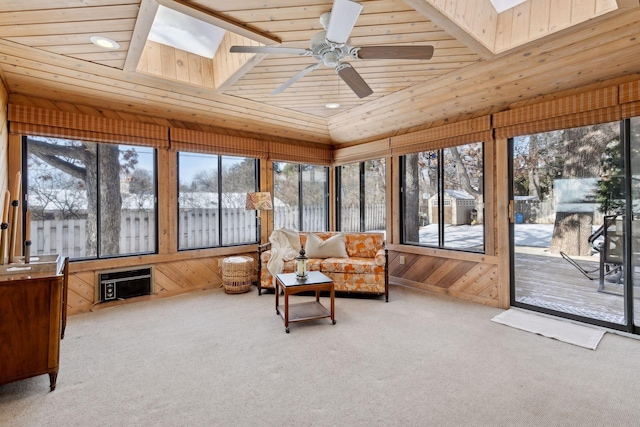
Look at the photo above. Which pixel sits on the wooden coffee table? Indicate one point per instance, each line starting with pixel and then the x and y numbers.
pixel 288 284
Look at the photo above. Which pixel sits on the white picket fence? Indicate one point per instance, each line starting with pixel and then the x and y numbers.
pixel 198 228
pixel 374 218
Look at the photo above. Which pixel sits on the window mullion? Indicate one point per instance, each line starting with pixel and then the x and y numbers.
pixel 362 196
pixel 441 220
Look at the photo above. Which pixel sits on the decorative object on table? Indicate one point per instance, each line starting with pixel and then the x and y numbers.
pixel 237 272
pixel 259 201
pixel 302 265
pixel 288 284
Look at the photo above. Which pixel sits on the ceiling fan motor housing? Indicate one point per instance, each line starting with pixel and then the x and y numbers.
pixel 326 51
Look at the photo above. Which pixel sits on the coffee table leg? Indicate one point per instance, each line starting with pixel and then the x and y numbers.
pixel 286 311
pixel 333 307
pixel 276 292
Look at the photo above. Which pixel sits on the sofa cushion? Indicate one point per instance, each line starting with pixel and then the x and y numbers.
pixel 350 265
pixel 364 245
pixel 333 247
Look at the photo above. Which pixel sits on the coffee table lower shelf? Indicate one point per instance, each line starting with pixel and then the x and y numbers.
pixel 289 285
pixel 305 311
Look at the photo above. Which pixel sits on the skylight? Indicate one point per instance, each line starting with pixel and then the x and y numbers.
pixel 502 5
pixel 184 32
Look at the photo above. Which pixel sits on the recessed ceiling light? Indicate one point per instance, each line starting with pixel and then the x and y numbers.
pixel 332 105
pixel 104 42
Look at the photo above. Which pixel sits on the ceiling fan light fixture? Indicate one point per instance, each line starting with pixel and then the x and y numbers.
pixel 332 105
pixel 104 42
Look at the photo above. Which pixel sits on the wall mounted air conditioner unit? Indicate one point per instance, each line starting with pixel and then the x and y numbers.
pixel 122 283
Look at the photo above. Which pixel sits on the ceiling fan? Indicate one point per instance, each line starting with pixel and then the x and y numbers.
pixel 331 47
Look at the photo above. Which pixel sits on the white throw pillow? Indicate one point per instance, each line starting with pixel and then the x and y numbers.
pixel 333 247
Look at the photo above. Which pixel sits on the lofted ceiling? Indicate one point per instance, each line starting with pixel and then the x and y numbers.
pixel 483 62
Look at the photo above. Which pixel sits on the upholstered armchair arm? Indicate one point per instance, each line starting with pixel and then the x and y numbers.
pixel 264 247
pixel 381 257
pixel 261 248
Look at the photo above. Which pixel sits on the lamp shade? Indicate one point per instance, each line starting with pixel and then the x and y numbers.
pixel 259 201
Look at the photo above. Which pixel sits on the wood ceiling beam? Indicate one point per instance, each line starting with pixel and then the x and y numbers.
pixel 219 21
pixel 146 15
pixel 450 27
pixel 627 4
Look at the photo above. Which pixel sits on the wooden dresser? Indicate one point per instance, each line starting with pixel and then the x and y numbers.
pixel 32 323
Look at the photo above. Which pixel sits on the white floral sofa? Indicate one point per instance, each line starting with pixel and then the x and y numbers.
pixel 363 269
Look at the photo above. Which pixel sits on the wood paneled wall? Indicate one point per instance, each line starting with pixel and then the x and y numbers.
pixel 175 64
pixel 461 278
pixel 4 139
pixel 173 275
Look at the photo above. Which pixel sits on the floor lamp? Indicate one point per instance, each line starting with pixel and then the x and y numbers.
pixel 260 201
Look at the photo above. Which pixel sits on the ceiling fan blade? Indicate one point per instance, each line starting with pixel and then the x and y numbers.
pixel 395 52
pixel 353 80
pixel 295 78
pixel 271 49
pixel 344 15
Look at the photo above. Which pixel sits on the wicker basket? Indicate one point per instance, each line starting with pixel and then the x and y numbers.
pixel 236 274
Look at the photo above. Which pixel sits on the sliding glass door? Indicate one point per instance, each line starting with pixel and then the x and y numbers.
pixel 575 203
pixel 632 128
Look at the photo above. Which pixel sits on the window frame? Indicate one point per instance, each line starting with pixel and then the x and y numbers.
pixel 325 198
pixel 219 158
pixel 362 193
pixel 98 255
pixel 441 200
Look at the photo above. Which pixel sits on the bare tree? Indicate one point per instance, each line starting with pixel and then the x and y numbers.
pixel 79 160
pixel 54 194
pixel 584 148
pixel 412 198
pixel 141 189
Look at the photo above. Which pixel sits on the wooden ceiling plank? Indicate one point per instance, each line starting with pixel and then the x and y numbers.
pixel 125 24
pixel 493 90
pixel 35 5
pixel 263 14
pixel 94 97
pixel 70 49
pixel 508 65
pixel 68 15
pixel 68 39
pixel 113 77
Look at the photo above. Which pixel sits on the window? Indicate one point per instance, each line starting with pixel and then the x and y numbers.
pixel 90 200
pixel 300 196
pixel 212 193
pixel 361 196
pixel 442 198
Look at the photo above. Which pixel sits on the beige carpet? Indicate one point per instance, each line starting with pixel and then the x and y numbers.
pixel 212 359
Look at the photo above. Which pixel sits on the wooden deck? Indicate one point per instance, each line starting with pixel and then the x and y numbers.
pixel 547 280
